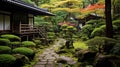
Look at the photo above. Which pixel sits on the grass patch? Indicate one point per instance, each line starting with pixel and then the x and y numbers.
pixel 80 44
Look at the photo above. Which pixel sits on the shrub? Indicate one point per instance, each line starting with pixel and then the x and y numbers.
pixel 20 60
pixel 15 44
pixel 117 23
pixel 7 60
pixel 101 31
pixel 25 51
pixel 101 43
pixel 98 31
pixel 4 42
pixel 37 42
pixel 86 32
pixel 96 23
pixel 28 44
pixel 5 49
pixel 11 37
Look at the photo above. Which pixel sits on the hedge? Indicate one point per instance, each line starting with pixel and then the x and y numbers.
pixel 4 42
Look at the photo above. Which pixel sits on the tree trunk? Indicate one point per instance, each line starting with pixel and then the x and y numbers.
pixel 109 27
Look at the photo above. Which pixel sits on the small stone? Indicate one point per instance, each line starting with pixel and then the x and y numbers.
pixel 41 63
pixel 49 65
pixel 39 66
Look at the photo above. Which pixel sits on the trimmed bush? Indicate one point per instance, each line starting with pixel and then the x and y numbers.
pixel 101 31
pixel 11 37
pixel 28 44
pixel 15 44
pixel 4 42
pixel 25 51
pixel 86 32
pixel 7 60
pixel 101 44
pixel 20 60
pixel 98 31
pixel 5 49
pixel 37 42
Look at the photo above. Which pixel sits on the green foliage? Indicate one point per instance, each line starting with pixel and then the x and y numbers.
pixel 96 23
pixel 25 51
pixel 15 44
pixel 93 28
pixel 86 32
pixel 28 44
pixel 5 49
pixel 51 35
pixel 11 37
pixel 6 60
pixel 37 41
pixel 60 17
pixel 28 1
pixel 99 43
pixel 98 31
pixel 80 44
pixel 4 42
pixel 117 23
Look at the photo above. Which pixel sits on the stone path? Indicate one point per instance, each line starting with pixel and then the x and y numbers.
pixel 48 57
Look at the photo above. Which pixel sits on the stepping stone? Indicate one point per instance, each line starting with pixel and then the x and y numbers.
pixel 50 60
pixel 60 65
pixel 39 66
pixel 49 65
pixel 41 63
pixel 43 60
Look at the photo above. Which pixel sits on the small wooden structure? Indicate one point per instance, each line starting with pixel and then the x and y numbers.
pixel 17 17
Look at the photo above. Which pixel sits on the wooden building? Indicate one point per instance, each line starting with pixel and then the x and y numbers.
pixel 17 17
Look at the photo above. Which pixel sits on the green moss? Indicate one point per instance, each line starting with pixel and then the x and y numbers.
pixel 15 44
pixel 5 49
pixel 28 44
pixel 4 42
pixel 25 51
pixel 11 37
pixel 6 60
pixel 80 44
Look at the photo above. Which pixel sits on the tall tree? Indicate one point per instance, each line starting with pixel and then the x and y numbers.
pixel 109 27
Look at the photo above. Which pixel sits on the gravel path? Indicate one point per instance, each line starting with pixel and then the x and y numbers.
pixel 48 57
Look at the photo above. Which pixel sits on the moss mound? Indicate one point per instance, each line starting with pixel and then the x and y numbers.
pixel 11 37
pixel 25 51
pixel 5 49
pixel 4 42
pixel 6 60
pixel 28 44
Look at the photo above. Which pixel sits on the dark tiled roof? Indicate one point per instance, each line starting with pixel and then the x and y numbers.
pixel 29 6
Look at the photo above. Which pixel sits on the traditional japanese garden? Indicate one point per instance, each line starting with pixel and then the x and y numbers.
pixel 81 33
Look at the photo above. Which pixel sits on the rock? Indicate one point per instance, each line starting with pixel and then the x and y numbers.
pixel 87 56
pixel 107 61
